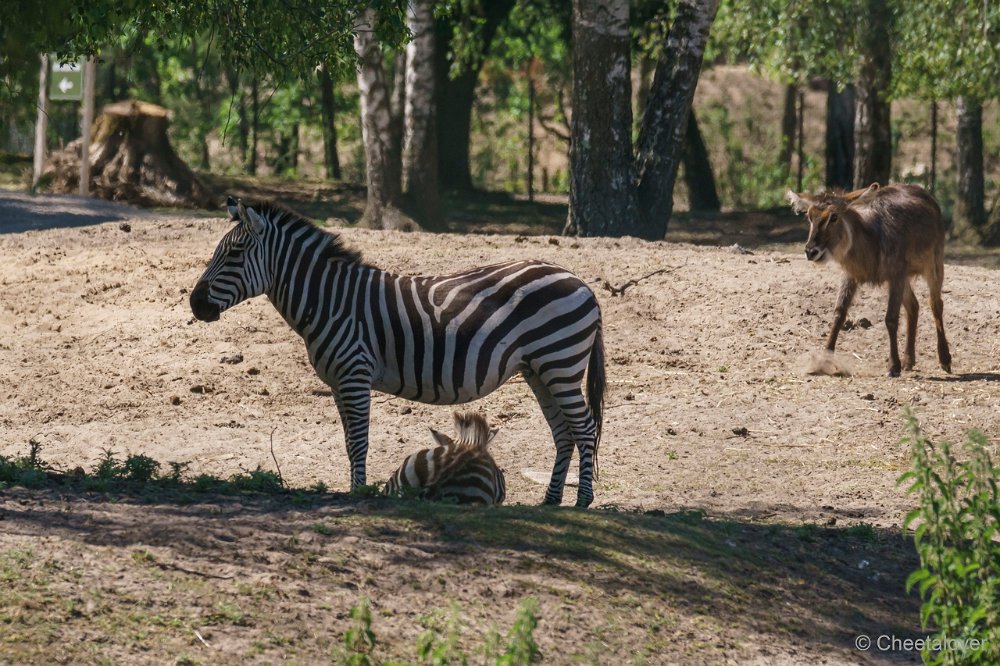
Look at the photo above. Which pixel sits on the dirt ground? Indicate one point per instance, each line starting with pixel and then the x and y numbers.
pixel 709 408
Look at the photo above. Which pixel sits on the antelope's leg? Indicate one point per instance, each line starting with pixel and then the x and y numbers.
pixel 912 308
pixel 847 290
pixel 934 282
pixel 896 288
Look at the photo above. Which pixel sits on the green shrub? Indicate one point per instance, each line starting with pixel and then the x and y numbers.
pixel 957 530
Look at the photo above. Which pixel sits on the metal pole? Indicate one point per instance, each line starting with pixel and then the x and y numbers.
pixel 42 124
pixel 89 71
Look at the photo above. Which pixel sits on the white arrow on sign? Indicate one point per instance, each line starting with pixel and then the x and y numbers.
pixel 65 86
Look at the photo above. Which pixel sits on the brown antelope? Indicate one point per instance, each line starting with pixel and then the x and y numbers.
pixel 881 235
pixel 461 470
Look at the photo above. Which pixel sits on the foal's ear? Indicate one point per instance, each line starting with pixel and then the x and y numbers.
pixel 441 438
pixel 254 222
pixel 800 202
pixel 493 433
pixel 233 206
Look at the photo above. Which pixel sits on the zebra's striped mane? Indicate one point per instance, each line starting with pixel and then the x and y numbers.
pixel 282 216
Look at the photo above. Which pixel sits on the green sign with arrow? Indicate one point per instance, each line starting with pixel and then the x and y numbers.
pixel 66 82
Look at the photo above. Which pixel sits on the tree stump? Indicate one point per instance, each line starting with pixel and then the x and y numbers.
pixel 131 160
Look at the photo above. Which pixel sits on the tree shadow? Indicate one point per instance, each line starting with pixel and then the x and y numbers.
pixel 25 212
pixel 820 586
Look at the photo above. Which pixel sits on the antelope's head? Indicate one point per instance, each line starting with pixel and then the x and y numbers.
pixel 832 217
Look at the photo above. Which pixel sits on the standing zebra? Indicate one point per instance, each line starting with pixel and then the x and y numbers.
pixel 459 469
pixel 439 340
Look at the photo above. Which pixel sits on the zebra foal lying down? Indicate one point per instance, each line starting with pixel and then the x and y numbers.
pixel 460 470
pixel 439 340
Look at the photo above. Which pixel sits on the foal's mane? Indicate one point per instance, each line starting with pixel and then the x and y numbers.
pixel 286 218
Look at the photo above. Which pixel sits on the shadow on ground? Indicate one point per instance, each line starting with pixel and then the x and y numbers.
pixel 809 585
pixel 32 212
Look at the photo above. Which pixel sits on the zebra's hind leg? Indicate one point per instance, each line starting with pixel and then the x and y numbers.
pixel 567 395
pixel 561 433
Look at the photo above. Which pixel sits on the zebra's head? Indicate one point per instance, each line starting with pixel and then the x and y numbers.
pixel 238 269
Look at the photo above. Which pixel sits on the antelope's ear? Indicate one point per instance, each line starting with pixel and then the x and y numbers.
pixel 254 222
pixel 232 205
pixel 865 196
pixel 800 202
pixel 441 438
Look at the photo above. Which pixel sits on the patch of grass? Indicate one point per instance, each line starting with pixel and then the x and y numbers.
pixel 137 473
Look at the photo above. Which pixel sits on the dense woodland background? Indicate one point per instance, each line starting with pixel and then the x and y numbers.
pixel 497 94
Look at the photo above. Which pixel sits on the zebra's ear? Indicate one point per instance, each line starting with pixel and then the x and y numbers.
pixel 232 205
pixel 441 438
pixel 254 222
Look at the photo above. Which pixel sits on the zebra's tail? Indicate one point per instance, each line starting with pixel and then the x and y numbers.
pixel 596 381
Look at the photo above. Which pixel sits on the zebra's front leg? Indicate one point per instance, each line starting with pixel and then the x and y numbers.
pixel 354 406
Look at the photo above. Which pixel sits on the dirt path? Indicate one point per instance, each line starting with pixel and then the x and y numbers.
pixel 708 406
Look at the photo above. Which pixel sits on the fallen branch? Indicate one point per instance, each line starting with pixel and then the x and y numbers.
pixel 281 479
pixel 619 290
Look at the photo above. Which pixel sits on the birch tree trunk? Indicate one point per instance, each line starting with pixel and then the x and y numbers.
pixel 602 199
pixel 664 124
pixel 872 120
pixel 420 156
pixel 397 102
pixel 382 172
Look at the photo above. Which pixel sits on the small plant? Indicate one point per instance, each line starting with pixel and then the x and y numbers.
pixel 359 639
pixel 521 645
pixel 141 469
pixel 369 490
pixel 957 527
pixel 29 471
pixel 257 481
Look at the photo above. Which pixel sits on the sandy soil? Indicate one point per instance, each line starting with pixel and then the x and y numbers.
pixel 709 406
pixel 97 340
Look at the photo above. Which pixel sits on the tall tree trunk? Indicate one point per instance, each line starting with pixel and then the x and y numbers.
pixel 800 139
pixel 873 124
pixel 970 200
pixel 664 123
pixel 698 174
pixel 420 157
pixel 531 139
pixel 382 172
pixel 238 97
pixel 647 66
pixel 457 95
pixel 251 158
pixel 331 160
pixel 397 106
pixel 788 128
pixel 602 197
pixel 839 136
pixel 932 185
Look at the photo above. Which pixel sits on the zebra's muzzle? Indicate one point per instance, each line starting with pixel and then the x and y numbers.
pixel 202 308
